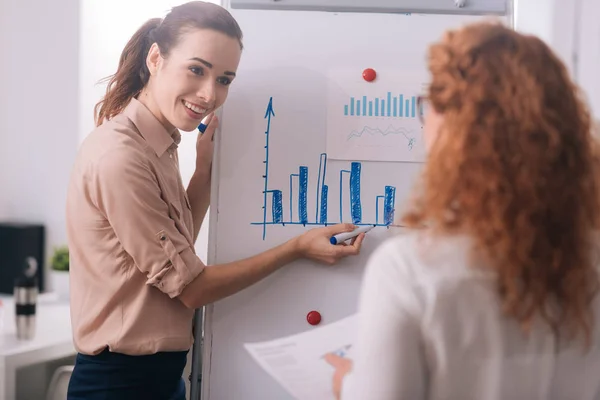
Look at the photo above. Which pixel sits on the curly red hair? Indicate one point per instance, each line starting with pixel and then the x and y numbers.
pixel 515 167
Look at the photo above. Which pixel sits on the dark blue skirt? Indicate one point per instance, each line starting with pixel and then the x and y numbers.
pixel 118 376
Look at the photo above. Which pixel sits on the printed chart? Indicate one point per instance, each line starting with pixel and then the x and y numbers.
pixel 297 361
pixel 374 121
pixel 294 211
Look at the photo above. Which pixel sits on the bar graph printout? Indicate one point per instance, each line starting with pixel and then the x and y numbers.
pixel 374 121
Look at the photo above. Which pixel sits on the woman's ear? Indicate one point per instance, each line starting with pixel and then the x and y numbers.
pixel 153 59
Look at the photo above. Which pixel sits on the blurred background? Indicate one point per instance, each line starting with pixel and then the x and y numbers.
pixel 52 55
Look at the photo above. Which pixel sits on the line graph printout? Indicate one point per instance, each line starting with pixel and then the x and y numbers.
pixel 374 121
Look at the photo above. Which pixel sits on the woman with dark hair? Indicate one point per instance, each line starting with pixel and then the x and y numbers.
pixel 135 277
pixel 497 297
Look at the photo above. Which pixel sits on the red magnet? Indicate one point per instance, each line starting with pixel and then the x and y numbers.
pixel 369 74
pixel 313 318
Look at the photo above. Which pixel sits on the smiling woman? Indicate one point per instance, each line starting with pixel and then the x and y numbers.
pixel 176 51
pixel 189 85
pixel 135 276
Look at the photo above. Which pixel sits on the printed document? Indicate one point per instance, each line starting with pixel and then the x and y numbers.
pixel 297 362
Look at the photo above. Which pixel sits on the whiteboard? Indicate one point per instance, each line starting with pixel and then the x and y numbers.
pixel 470 7
pixel 288 61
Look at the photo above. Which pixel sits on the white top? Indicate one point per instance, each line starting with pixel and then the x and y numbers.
pixel 431 328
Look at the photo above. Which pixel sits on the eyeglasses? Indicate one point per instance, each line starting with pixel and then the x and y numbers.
pixel 422 107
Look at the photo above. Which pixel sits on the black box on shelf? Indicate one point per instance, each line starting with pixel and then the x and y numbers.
pixel 18 241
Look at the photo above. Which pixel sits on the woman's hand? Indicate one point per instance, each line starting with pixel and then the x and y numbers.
pixel 205 147
pixel 342 367
pixel 315 244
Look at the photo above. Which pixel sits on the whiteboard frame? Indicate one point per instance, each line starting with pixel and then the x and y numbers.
pixel 202 314
pixel 202 348
pixel 446 7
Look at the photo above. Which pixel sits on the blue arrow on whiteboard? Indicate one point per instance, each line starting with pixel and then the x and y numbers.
pixel 268 114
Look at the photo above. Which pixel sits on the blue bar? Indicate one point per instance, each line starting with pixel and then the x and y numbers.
pixel 389 105
pixel 413 106
pixel 370 108
pixel 346 109
pixel 324 204
pixel 407 108
pixel 302 195
pixel 401 109
pixel 364 103
pixel 355 206
pixel 277 207
pixel 320 181
pixel 377 107
pixel 358 107
pixel 388 205
pixel 382 107
pixel 395 106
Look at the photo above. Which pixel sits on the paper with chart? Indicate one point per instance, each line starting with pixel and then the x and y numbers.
pixel 297 362
pixel 374 121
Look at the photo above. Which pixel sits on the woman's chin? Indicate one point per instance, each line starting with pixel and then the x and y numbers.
pixel 187 124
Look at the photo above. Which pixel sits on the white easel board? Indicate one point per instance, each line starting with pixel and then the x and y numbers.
pixel 299 89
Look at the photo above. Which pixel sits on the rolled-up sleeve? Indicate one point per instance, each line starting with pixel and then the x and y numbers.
pixel 126 190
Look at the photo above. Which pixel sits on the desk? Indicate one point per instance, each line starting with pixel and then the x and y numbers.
pixel 53 340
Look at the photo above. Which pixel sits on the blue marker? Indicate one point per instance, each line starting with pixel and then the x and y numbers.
pixel 342 237
pixel 202 126
pixel 343 352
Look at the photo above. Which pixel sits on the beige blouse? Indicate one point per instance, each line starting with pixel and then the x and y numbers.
pixel 130 236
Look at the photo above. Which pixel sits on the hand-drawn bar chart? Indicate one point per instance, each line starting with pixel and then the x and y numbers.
pixel 350 178
pixel 390 106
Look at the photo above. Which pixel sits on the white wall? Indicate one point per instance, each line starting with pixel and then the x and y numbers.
pixel 39 45
pixel 105 28
pixel 553 21
pixel 588 49
pixel 571 28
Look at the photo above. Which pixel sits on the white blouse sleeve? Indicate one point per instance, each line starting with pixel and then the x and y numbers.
pixel 388 358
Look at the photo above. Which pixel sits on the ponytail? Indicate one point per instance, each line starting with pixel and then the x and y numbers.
pixel 131 76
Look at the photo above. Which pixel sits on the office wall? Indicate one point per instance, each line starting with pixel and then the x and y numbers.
pixel 571 28
pixel 553 21
pixel 588 60
pixel 39 44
